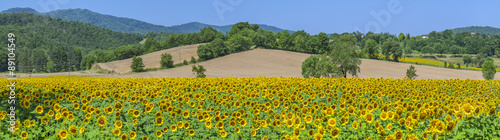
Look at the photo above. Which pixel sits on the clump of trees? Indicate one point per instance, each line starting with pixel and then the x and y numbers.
pixel 342 60
pixel 137 65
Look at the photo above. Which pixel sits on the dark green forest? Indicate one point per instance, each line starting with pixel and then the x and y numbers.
pixel 46 44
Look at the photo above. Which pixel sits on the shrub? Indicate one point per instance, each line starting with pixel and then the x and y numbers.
pixel 137 65
pixel 185 62
pixel 193 60
pixel 489 69
pixel 411 73
pixel 199 71
pixel 166 61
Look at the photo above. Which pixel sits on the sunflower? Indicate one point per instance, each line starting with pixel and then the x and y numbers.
pixel 24 135
pixel 308 118
pixel 191 132
pixel 186 125
pixel 208 124
pixel 145 138
pixel 185 114
pixel 223 133
pixel 50 113
pixel 63 134
pixel 450 126
pixel 296 132
pixel 237 129
pixel 71 117
pixel 117 114
pixel 135 122
pixel 158 133
pixel 253 132
pixel 136 113
pixel 124 137
pixel 101 121
pixel 369 118
pixel 82 130
pixel 389 126
pixel 57 107
pixel 118 124
pixel 159 120
pixel 398 135
pixel 344 120
pixel 108 110
pixel 332 122
pixel 39 109
pixel 45 120
pixel 132 134
pixel 355 125
pixel 116 132
pixel 173 128
pixel 73 129
pixel 310 133
pixel 335 132
pixel 468 109
pixel 243 123
pixel 383 116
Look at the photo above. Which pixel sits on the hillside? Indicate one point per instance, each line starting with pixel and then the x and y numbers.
pixel 478 29
pixel 276 63
pixel 128 25
pixel 152 60
pixel 193 27
pixel 109 22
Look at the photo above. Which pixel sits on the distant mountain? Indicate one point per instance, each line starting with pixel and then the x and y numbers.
pixel 126 24
pixel 20 10
pixel 478 29
pixel 196 27
pixel 110 22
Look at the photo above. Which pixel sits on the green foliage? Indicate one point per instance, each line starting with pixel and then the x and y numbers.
pixel 238 43
pixel 316 66
pixel 137 65
pixel 193 60
pixel 199 71
pixel 407 50
pixel 451 66
pixel 50 66
pixel 185 62
pixel 478 29
pixel 344 57
pixel 467 60
pixel 392 48
pixel 371 47
pixel 166 61
pixel 489 69
pixel 411 73
pixel 109 22
pixel 455 49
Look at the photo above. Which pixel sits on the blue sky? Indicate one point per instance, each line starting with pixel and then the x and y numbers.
pixel 331 16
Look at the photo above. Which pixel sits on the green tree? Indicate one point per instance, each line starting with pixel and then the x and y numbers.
pixel 137 65
pixel 489 69
pixel 411 73
pixel 455 50
pixel 397 52
pixel 166 61
pixel 185 62
pixel 51 66
pixel 439 48
pixel 344 57
pixel 193 60
pixel 467 60
pixel 427 49
pixel 480 58
pixel 238 43
pixel 371 47
pixel 199 71
pixel 407 50
pixel 401 37
pixel 319 66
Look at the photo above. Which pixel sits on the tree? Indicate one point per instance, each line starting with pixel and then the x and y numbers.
pixel 371 47
pixel 137 65
pixel 427 49
pixel 238 43
pixel 319 66
pixel 455 50
pixel 401 37
pixel 489 69
pixel 51 66
pixel 166 61
pixel 199 71
pixel 344 57
pixel 185 62
pixel 407 50
pixel 480 58
pixel 193 60
pixel 467 60
pixel 411 73
pixel 439 48
pixel 392 48
pixel 397 52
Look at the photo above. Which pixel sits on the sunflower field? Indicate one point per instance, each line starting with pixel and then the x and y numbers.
pixel 251 108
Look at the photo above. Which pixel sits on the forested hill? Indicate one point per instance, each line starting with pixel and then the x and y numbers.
pixel 41 37
pixel 478 29
pixel 110 22
pixel 193 27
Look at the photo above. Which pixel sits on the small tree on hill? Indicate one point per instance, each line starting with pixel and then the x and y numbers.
pixel 137 65
pixel 411 73
pixel 166 61
pixel 199 71
pixel 489 69
pixel 185 62
pixel 467 60
pixel 193 60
